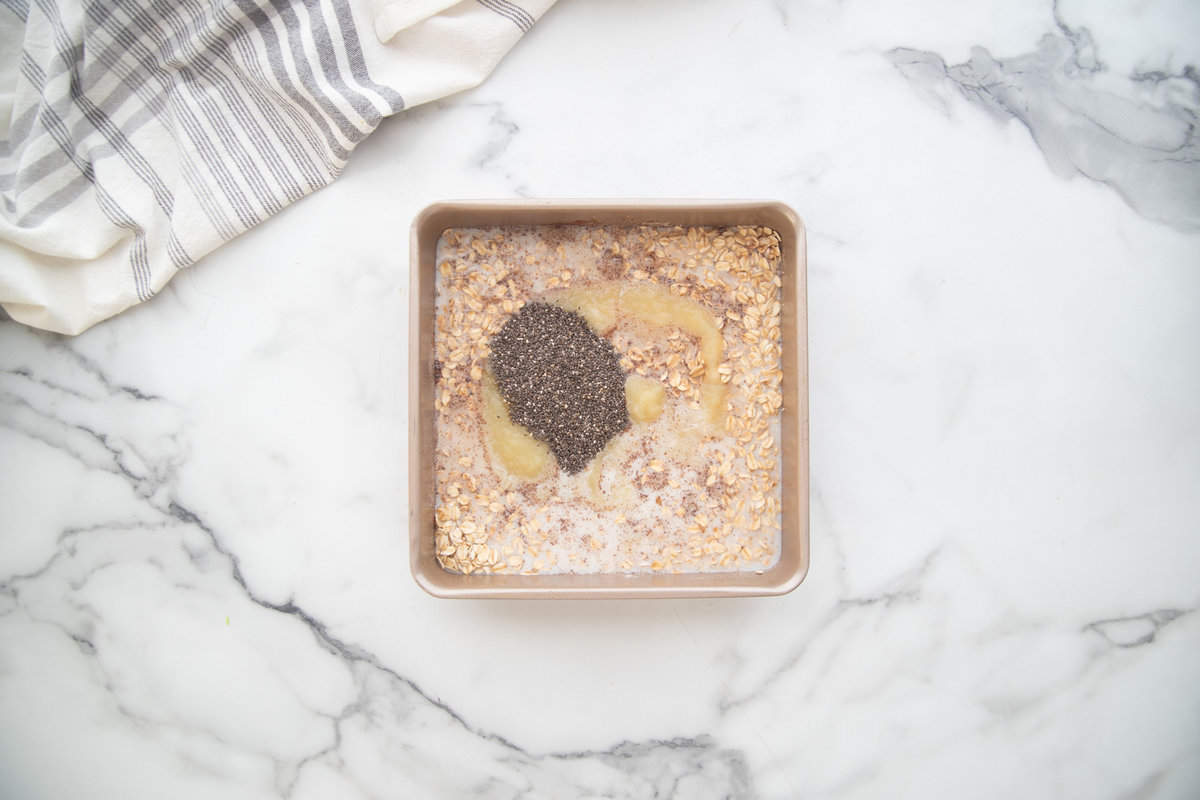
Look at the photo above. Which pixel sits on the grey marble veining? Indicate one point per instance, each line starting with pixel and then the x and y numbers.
pixel 1135 133
pixel 170 545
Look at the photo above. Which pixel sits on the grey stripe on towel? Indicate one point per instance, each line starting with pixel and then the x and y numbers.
pixel 143 134
pixel 518 15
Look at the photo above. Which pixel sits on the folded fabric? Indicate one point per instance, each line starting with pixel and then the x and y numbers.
pixel 139 135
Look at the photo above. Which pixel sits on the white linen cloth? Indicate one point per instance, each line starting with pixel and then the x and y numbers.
pixel 138 135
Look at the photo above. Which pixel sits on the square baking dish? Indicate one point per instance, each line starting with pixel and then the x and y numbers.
pixel 793 561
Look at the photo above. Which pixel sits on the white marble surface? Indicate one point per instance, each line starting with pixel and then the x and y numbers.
pixel 204 586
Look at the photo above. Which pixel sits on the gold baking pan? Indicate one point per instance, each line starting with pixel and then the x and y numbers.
pixel 792 564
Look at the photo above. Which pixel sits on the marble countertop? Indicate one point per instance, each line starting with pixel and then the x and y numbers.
pixel 204 583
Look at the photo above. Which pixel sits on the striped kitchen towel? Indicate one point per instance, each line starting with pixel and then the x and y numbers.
pixel 138 135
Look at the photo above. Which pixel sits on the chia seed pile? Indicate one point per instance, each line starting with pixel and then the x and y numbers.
pixel 561 381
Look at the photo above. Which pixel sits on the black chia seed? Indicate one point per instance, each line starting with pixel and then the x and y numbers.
pixel 561 381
